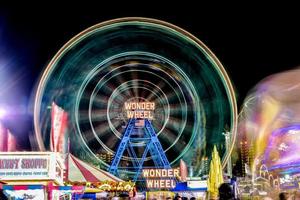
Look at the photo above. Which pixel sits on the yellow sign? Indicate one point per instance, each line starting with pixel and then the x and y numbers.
pixel 140 110
pixel 160 178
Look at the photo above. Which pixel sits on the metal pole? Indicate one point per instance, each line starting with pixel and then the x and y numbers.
pixel 227 136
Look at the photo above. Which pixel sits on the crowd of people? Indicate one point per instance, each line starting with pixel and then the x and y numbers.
pixel 182 198
pixel 226 193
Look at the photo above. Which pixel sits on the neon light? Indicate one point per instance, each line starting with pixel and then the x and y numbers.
pixel 139 110
pixel 139 105
pixel 160 178
pixel 160 173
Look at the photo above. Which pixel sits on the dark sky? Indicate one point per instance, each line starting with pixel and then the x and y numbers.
pixel 252 41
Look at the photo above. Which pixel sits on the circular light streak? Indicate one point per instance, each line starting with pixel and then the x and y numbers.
pixel 191 76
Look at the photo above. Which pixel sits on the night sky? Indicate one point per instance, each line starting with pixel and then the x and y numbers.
pixel 252 42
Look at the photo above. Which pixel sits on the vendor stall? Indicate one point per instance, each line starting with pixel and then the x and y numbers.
pixel 79 171
pixel 98 183
pixel 34 174
pixel 44 175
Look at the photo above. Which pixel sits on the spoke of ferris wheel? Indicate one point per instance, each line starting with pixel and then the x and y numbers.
pixel 104 129
pixel 145 93
pixel 119 79
pixel 157 123
pixel 107 88
pixel 189 125
pixel 134 79
pixel 102 100
pixel 119 97
pixel 167 132
pixel 179 146
pixel 112 142
pixel 101 131
pixel 127 94
pixel 124 90
pixel 132 94
pixel 175 123
pixel 170 97
pixel 179 108
pixel 100 115
pixel 156 90
pixel 160 103
pixel 168 136
pixel 97 101
pixel 88 135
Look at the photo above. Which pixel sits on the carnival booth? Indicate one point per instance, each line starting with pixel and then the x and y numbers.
pixel 32 175
pixel 79 171
pixel 40 175
pixel 98 183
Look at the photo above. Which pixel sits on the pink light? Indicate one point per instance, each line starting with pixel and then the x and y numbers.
pixel 2 113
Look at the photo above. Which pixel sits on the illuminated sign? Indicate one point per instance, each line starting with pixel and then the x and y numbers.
pixel 197 184
pixel 31 163
pixel 142 110
pixel 160 178
pixel 31 166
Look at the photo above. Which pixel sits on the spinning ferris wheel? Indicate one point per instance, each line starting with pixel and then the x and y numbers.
pixel 137 60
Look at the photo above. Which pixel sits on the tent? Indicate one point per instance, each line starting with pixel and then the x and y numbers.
pixel 79 171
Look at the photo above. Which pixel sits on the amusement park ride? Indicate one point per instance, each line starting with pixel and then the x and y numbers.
pixel 137 65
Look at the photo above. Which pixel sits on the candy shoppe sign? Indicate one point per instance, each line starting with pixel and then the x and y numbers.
pixel 23 163
pixel 29 166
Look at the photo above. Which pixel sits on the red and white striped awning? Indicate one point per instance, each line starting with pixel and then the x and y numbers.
pixel 79 171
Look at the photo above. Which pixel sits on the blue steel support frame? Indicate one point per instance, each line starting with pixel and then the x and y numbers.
pixel 152 146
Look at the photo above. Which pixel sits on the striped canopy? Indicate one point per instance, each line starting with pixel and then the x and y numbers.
pixel 79 171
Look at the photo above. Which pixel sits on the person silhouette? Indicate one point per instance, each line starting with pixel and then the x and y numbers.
pixel 177 197
pixel 226 192
pixel 284 196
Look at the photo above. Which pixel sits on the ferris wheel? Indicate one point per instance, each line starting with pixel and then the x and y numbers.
pixel 137 60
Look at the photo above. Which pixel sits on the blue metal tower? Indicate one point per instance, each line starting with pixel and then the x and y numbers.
pixel 148 141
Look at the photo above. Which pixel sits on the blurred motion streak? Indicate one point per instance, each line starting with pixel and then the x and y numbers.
pixel 269 122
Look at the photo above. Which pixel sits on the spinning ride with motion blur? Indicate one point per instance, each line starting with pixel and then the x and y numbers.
pixel 140 93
